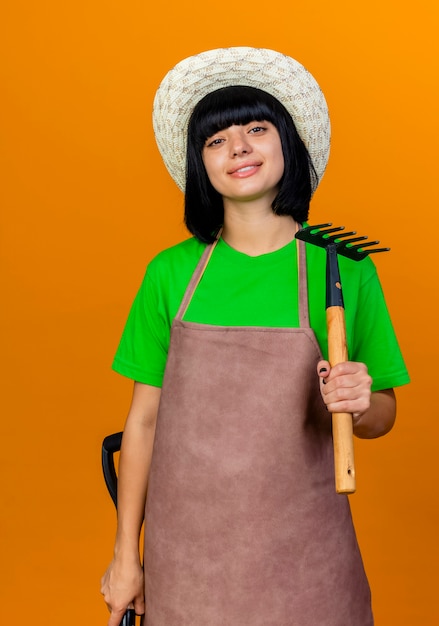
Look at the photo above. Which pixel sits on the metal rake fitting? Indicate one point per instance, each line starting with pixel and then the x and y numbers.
pixel 323 235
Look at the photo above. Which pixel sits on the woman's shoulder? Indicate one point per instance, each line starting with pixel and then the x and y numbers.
pixel 180 258
pixel 183 252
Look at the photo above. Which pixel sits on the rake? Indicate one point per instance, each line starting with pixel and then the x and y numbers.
pixel 336 242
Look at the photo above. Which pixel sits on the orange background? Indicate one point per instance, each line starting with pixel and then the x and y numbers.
pixel 86 202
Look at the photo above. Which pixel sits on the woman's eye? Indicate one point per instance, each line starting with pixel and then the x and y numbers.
pixel 257 129
pixel 213 142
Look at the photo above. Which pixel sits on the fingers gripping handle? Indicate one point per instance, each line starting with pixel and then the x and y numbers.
pixel 342 425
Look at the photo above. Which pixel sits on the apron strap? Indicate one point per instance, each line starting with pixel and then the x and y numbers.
pixel 303 285
pixel 196 277
pixel 205 258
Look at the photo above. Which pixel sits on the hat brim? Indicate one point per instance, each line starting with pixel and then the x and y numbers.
pixel 280 75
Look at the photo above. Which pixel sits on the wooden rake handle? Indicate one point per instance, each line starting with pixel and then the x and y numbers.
pixel 342 425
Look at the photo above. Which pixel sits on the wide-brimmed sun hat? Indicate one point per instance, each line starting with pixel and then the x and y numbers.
pixel 196 76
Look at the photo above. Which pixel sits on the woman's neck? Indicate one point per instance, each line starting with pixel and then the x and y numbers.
pixel 257 232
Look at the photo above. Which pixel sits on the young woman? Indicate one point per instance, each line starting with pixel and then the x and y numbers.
pixel 228 438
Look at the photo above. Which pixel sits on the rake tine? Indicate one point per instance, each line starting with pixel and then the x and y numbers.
pixel 317 230
pixel 346 242
pixel 338 237
pixel 363 245
pixel 366 243
pixel 335 229
pixel 316 227
pixel 378 250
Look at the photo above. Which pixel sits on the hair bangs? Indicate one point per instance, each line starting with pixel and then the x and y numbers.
pixel 229 106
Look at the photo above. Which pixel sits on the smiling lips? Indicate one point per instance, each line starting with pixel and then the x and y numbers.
pixel 246 169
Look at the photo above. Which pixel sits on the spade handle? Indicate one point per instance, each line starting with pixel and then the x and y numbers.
pixel 342 426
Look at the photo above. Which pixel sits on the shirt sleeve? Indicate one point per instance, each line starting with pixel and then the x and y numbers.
pixel 143 347
pixel 371 336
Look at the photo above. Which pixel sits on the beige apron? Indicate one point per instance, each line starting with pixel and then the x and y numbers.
pixel 243 525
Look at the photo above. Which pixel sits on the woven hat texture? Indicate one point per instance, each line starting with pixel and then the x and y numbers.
pixel 281 76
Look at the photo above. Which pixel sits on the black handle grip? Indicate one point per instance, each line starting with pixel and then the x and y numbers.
pixel 110 446
pixel 129 619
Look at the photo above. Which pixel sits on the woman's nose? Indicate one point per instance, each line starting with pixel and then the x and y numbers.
pixel 239 144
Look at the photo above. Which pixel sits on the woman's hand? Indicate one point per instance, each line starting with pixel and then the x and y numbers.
pixel 122 588
pixel 346 388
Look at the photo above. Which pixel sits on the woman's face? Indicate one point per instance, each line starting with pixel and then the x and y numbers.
pixel 245 162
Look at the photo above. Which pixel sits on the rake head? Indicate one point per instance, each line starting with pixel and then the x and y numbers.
pixel 324 236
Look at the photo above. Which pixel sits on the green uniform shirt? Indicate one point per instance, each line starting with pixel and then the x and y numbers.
pixel 241 290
